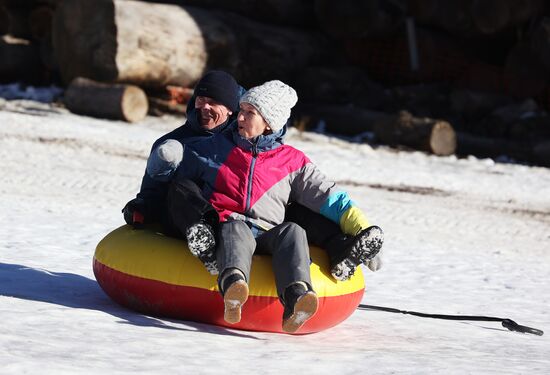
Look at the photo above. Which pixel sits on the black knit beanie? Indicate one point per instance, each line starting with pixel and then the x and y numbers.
pixel 221 87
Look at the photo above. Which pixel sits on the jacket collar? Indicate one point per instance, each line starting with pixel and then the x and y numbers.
pixel 259 144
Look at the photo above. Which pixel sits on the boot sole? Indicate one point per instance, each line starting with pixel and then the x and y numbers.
pixel 345 269
pixel 305 308
pixel 234 298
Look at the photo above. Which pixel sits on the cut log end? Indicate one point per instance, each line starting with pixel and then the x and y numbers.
pixel 114 101
pixel 134 104
pixel 443 139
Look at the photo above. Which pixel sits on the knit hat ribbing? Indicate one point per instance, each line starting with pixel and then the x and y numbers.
pixel 274 100
pixel 221 87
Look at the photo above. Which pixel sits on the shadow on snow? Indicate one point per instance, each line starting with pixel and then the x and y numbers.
pixel 76 291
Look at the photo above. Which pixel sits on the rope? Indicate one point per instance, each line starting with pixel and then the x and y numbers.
pixel 506 323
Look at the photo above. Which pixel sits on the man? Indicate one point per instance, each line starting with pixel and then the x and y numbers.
pixel 213 106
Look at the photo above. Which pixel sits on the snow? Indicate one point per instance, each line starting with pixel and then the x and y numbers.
pixel 463 236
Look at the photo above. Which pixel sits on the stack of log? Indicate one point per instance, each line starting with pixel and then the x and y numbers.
pixel 153 45
pixel 416 73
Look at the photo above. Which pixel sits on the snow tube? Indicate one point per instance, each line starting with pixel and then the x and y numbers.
pixel 157 275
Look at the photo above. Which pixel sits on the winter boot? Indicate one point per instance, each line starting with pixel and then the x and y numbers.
pixel 300 303
pixel 363 247
pixel 202 244
pixel 234 289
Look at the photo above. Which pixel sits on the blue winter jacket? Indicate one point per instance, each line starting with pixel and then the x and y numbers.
pixel 154 192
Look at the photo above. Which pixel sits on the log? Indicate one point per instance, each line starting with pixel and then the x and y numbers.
pixel 343 120
pixel 339 85
pixel 159 107
pixel 4 19
pixel 29 3
pixel 19 61
pixel 141 43
pixel 540 41
pixel 422 100
pixel 423 10
pixel 154 45
pixel 471 18
pixel 112 101
pixel 485 147
pixel 424 134
pixel 170 99
pixel 529 74
pixel 266 52
pixel 351 18
pixel 14 21
pixel 472 105
pixel 387 58
pixel 541 153
pixel 47 55
pixel 40 22
pixel 297 13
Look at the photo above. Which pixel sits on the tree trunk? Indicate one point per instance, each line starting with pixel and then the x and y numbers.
pixel 117 102
pixel 424 134
pixel 141 43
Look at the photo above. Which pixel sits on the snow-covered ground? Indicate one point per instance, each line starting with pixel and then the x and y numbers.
pixel 463 236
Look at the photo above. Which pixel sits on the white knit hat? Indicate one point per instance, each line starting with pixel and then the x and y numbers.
pixel 273 100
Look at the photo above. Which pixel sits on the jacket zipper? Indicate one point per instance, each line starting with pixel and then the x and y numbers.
pixel 250 176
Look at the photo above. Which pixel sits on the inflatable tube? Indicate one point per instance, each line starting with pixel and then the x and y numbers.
pixel 157 275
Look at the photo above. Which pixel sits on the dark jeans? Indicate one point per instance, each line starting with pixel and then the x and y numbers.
pixel 186 206
pixel 320 231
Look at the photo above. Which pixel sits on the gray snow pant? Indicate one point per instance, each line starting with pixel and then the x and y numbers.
pixel 286 242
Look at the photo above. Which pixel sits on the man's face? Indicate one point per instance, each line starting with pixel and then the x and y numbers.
pixel 211 113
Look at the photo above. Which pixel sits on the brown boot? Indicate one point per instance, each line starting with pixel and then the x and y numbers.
pixel 235 294
pixel 300 305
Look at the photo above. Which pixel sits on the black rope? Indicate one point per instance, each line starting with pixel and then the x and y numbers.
pixel 506 323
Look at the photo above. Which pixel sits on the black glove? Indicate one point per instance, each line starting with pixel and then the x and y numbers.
pixel 134 213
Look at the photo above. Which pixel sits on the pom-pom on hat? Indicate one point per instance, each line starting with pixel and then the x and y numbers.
pixel 273 100
pixel 221 87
